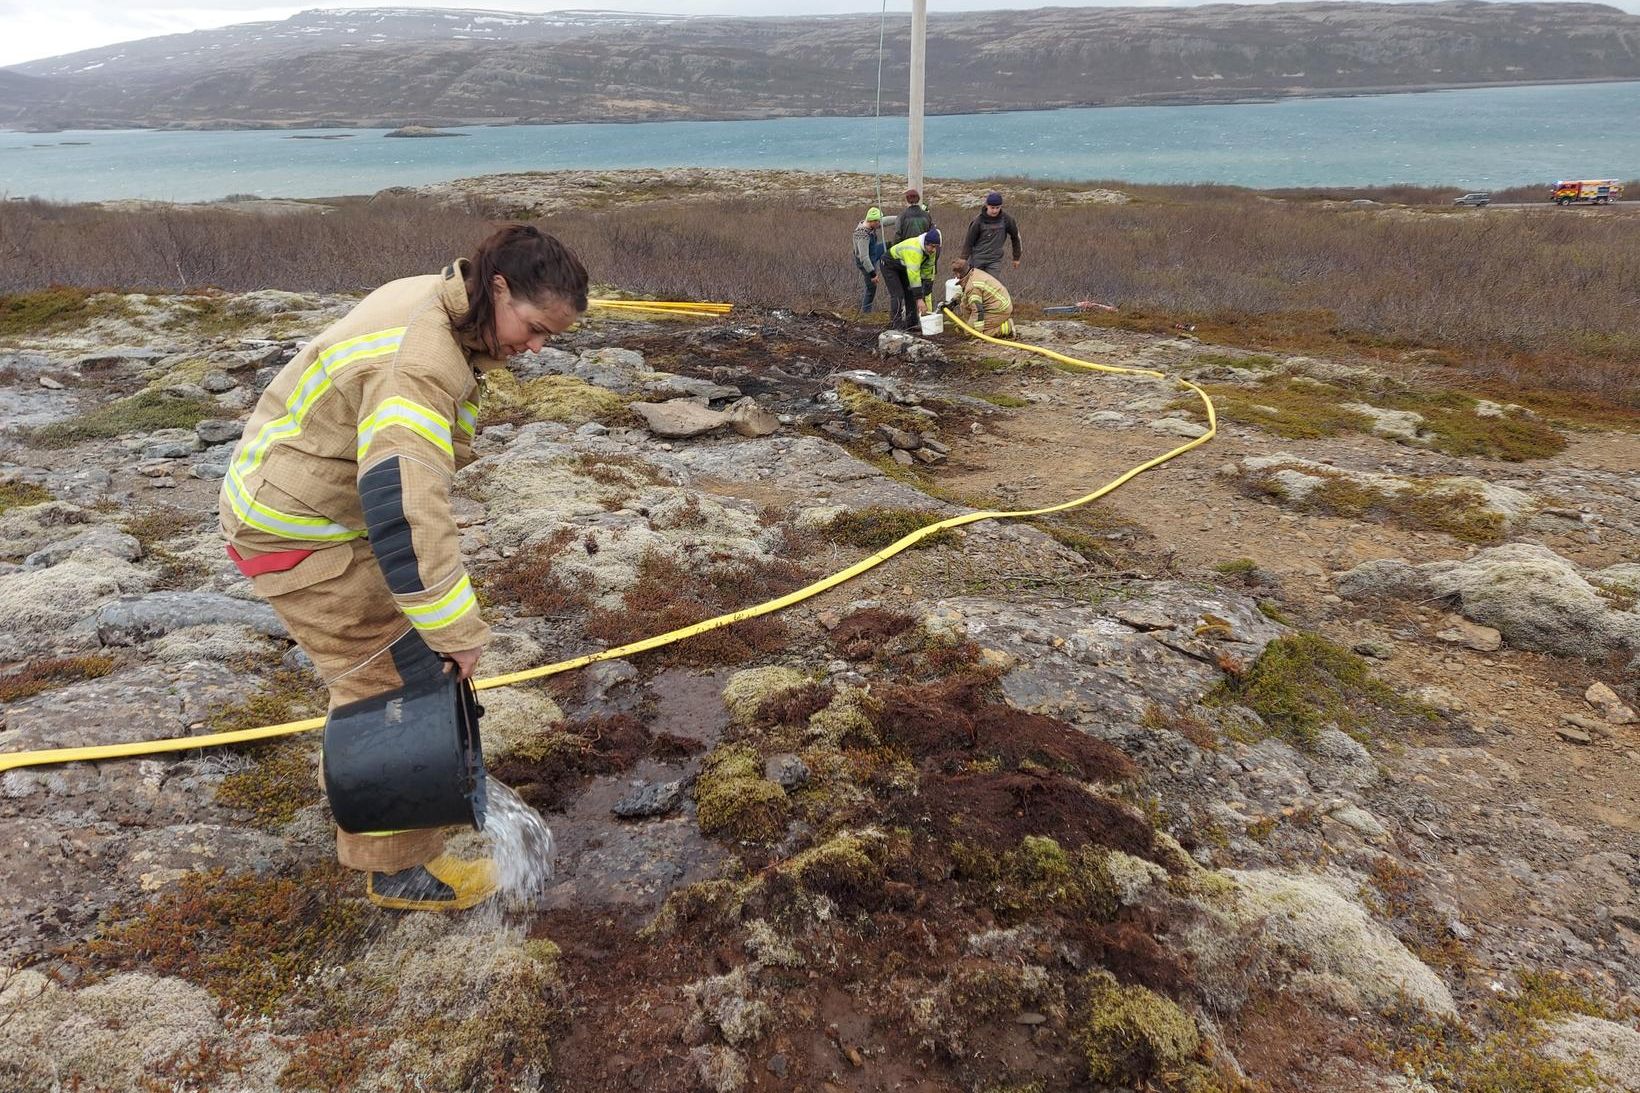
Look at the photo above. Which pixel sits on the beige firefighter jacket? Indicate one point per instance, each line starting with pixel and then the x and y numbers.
pixel 358 437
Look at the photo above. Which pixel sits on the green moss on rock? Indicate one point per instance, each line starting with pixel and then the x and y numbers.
pixel 287 696
pixel 1302 682
pixel 1129 1034
pixel 846 865
pixel 848 720
pixel 747 691
pixel 56 308
pixel 877 526
pixel 145 412
pixel 281 782
pixel 1041 877
pixel 548 398
pixel 16 495
pixel 735 800
pixel 710 902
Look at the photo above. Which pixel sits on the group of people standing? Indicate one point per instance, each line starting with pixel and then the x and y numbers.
pixel 902 254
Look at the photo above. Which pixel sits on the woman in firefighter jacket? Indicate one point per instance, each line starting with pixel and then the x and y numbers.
pixel 336 503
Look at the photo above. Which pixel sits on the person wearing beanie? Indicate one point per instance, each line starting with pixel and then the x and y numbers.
pixel 869 249
pixel 909 274
pixel 916 218
pixel 983 301
pixel 986 235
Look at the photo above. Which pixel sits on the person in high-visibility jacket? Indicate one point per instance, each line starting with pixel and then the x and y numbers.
pixel 336 502
pixel 984 300
pixel 909 275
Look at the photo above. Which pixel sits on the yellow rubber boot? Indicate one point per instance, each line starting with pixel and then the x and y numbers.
pixel 444 884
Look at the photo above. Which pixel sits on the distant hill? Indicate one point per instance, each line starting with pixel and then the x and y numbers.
pixel 392 66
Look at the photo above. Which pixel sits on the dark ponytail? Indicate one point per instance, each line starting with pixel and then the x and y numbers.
pixel 535 265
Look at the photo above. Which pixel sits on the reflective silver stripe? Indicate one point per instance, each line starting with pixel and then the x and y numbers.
pixel 420 420
pixel 271 520
pixel 446 609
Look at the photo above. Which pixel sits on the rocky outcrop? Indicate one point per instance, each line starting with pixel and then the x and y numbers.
pixel 42 606
pixel 680 418
pixel 134 620
pixel 1535 598
pixel 1330 935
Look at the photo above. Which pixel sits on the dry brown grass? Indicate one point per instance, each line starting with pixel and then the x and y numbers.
pixel 1534 300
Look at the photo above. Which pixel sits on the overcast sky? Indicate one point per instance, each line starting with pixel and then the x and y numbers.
pixel 33 29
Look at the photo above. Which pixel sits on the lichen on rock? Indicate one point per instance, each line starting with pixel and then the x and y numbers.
pixel 1318 928
pixel 746 691
pixel 1536 598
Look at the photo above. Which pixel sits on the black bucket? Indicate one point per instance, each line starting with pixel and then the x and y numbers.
pixel 407 759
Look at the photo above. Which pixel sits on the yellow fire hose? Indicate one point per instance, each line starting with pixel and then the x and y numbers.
pixel 664 307
pixel 185 743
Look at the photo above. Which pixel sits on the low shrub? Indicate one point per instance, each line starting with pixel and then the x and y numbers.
pixel 16 495
pixel 36 676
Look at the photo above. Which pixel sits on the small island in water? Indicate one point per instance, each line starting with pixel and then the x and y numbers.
pixel 421 131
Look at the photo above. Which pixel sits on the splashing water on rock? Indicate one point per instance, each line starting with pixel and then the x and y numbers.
pixel 521 843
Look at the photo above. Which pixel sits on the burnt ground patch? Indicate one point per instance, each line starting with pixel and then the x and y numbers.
pixel 548 770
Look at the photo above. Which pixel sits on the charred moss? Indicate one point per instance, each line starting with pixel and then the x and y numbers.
pixel 671 593
pixel 527 581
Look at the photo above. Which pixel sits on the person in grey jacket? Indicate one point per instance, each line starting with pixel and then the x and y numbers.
pixel 986 235
pixel 868 251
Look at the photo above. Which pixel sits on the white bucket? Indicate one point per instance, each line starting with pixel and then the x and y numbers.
pixel 952 291
pixel 933 324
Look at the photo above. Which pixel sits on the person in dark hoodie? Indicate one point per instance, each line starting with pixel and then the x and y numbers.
pixel 915 220
pixel 986 235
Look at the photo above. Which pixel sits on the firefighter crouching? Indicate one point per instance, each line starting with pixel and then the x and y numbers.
pixel 336 503
pixel 984 301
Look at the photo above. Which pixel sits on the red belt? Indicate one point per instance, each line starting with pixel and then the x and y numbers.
pixel 277 562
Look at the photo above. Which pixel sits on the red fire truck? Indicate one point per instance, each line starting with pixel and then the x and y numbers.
pixel 1599 191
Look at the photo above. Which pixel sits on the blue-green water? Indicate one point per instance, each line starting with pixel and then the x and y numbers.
pixel 1477 139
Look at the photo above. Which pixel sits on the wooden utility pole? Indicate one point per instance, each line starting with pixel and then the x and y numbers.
pixel 919 50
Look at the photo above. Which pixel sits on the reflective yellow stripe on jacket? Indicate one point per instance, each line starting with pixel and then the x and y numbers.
pixel 405 414
pixel 987 294
pixel 444 610
pixel 315 383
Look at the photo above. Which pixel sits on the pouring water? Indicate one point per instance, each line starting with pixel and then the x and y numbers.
pixel 521 844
